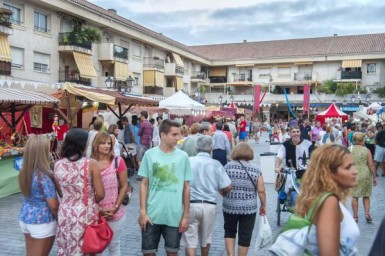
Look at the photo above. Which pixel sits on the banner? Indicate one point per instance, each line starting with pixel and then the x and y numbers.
pixel 288 103
pixel 306 98
pixel 257 96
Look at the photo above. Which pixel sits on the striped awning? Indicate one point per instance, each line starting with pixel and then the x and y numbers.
pixel 265 66
pixel 284 66
pixel 5 49
pixel 179 83
pixel 303 63
pixel 178 59
pixel 351 63
pixel 218 71
pixel 122 71
pixel 84 64
pixel 244 65
pixel 153 78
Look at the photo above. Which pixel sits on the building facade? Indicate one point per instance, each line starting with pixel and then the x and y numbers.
pixel 56 41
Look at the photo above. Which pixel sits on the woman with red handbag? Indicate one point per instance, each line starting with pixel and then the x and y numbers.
pixel 75 174
pixel 114 175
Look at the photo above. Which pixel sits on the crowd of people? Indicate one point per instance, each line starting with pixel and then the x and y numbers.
pixel 182 169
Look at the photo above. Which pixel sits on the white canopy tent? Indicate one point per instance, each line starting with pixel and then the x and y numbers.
pixel 181 104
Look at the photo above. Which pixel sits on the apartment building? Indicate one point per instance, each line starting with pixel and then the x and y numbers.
pixel 54 41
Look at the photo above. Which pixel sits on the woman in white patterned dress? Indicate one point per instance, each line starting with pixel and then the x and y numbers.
pixel 69 176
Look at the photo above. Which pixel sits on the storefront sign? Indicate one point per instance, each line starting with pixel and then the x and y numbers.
pixel 350 108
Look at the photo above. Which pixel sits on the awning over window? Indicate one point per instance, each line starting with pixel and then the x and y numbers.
pixel 218 71
pixel 178 59
pixel 265 67
pixel 153 78
pixel 179 83
pixel 5 49
pixel 303 63
pixel 85 66
pixel 284 65
pixel 122 71
pixel 244 65
pixel 351 63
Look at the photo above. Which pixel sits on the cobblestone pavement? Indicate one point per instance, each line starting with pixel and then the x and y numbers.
pixel 12 240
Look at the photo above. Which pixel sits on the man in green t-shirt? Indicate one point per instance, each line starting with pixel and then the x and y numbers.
pixel 164 192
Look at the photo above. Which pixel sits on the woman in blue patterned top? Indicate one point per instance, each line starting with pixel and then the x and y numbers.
pixel 240 204
pixel 38 214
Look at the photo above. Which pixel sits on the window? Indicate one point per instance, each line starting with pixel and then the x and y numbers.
pixel 371 68
pixel 17 57
pixel 41 22
pixel 136 77
pixel 41 62
pixel 16 14
pixel 136 50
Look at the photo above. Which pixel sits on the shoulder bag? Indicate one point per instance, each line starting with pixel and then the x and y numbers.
pixel 248 174
pixel 126 198
pixel 294 238
pixel 97 234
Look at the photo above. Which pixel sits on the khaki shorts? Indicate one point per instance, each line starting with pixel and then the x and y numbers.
pixel 201 225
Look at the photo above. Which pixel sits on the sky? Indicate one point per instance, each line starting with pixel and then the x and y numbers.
pixel 202 22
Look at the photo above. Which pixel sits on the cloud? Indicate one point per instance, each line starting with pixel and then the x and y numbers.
pixel 225 21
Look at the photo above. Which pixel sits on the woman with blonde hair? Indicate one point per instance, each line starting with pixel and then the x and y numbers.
pixel 38 213
pixel 366 175
pixel 334 232
pixel 240 205
pixel 114 176
pixel 113 131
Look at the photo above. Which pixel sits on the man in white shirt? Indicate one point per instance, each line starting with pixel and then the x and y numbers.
pixel 155 132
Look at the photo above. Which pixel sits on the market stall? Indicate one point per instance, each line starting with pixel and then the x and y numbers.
pixel 331 112
pixel 109 97
pixel 181 105
pixel 14 105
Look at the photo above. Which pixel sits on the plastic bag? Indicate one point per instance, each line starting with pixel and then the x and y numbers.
pixel 264 235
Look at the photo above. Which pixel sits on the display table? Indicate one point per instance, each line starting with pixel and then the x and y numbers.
pixel 9 182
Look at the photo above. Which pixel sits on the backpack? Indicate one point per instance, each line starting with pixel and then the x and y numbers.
pixel 328 138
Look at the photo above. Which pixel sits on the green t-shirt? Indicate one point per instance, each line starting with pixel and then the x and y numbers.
pixel 166 173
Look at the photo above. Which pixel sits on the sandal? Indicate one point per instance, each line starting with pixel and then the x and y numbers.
pixel 368 218
pixel 355 218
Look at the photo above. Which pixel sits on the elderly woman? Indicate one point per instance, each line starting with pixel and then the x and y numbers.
pixel 366 175
pixel 334 232
pixel 240 204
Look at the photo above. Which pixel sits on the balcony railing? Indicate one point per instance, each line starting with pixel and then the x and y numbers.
pixel 351 74
pixel 120 52
pixel 179 70
pixel 73 77
pixel 264 75
pixel 5 17
pixel 243 78
pixel 69 38
pixel 198 75
pixel 153 63
pixel 302 76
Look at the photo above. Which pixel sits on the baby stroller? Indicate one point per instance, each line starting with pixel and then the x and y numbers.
pixel 128 153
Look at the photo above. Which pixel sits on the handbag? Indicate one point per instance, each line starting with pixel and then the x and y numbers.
pixel 294 237
pixel 126 198
pixel 97 235
pixel 244 168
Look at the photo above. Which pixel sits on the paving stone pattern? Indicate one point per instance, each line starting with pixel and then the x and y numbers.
pixel 12 240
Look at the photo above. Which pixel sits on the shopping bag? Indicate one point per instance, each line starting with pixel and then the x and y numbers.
pixel 264 235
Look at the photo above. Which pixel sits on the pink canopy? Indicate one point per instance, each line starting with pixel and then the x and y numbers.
pixel 331 112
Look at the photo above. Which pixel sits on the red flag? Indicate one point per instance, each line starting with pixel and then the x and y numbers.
pixel 257 96
pixel 306 97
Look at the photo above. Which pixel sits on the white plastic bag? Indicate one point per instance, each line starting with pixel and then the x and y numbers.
pixel 264 235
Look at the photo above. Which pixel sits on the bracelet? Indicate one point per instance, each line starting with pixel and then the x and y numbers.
pixel 116 206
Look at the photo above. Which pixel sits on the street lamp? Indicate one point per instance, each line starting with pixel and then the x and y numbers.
pixel 110 82
pixel 130 83
pixel 353 98
pixel 367 98
pixel 344 102
pixel 220 99
pixel 231 99
pixel 334 101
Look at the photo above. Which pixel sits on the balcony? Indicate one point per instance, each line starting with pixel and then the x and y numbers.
pixel 73 77
pixel 152 63
pixel 357 74
pixel 111 52
pixel 172 69
pixel 5 21
pixel 69 42
pixel 243 78
pixel 198 76
pixel 303 76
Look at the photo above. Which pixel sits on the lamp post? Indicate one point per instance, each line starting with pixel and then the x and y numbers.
pixel 197 94
pixel 353 98
pixel 367 98
pixel 220 99
pixel 231 99
pixel 110 82
pixel 130 83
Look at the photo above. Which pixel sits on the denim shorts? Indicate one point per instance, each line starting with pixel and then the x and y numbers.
pixel 151 238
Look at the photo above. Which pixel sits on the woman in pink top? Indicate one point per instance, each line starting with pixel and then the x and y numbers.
pixel 114 175
pixel 315 132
